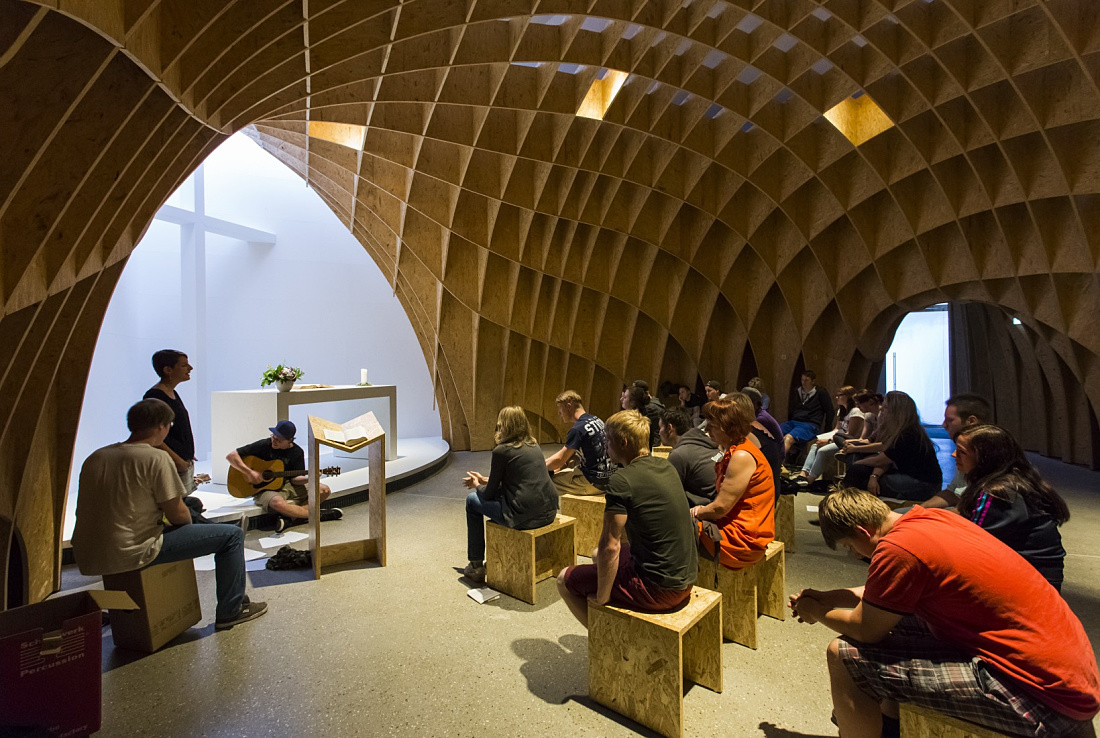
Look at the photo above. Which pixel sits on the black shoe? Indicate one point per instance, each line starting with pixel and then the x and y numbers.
pixel 331 513
pixel 280 523
pixel 250 611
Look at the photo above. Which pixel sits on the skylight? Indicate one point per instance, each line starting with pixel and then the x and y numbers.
pixel 859 118
pixel 344 134
pixel 601 94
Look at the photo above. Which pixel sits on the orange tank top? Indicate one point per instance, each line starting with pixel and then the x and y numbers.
pixel 749 526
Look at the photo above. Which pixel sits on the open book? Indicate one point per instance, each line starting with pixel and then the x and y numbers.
pixel 348 437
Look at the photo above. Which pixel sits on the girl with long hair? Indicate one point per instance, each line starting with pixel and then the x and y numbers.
pixel 517 493
pixel 1006 496
pixel 904 466
pixel 849 424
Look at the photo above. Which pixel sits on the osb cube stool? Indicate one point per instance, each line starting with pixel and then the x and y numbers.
pixel 637 662
pixel 784 521
pixel 661 452
pixel 755 590
pixel 517 560
pixel 588 511
pixel 919 722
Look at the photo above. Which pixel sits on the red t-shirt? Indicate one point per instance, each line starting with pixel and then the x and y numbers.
pixel 980 595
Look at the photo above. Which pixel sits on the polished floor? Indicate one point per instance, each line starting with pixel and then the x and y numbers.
pixel 403 651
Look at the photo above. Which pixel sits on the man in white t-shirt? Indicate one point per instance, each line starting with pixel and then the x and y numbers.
pixel 126 489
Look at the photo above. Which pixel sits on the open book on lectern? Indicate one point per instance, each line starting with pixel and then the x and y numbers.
pixel 349 436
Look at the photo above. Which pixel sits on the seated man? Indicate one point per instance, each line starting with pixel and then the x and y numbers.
pixel 809 411
pixel 126 489
pixel 586 441
pixel 950 619
pixel 693 455
pixel 655 571
pixel 962 411
pixel 289 503
pixel 652 410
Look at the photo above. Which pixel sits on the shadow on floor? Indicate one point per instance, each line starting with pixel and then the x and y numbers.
pixel 774 731
pixel 546 594
pixel 114 657
pixel 554 670
pixel 609 714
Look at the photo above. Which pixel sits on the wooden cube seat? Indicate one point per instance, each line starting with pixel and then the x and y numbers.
pixel 920 722
pixel 588 511
pixel 661 452
pixel 746 593
pixel 637 662
pixel 517 560
pixel 784 521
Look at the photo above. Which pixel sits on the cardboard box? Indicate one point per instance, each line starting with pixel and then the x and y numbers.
pixel 51 661
pixel 168 598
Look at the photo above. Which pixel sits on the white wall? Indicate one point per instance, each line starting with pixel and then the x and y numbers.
pixel 919 362
pixel 315 300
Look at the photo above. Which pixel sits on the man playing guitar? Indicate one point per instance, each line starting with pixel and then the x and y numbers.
pixel 289 502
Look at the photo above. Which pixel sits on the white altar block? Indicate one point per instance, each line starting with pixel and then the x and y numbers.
pixel 243 416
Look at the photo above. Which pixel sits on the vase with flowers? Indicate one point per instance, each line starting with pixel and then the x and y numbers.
pixel 283 377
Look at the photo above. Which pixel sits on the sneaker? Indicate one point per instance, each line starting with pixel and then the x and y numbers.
pixel 243 524
pixel 331 513
pixel 475 572
pixel 802 482
pixel 280 523
pixel 250 611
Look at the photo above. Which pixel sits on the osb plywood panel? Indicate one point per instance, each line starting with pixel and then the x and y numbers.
pixel 714 225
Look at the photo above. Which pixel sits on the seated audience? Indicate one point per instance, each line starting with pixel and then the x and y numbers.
pixel 125 491
pixel 849 424
pixel 652 410
pixel 585 441
pixel 693 455
pixel 809 410
pixel 1005 495
pixel 906 468
pixel 950 619
pixel 758 384
pixel 743 510
pixel 689 402
pixel 961 411
pixel 764 438
pixel 517 493
pixel 655 571
pixel 713 388
pixel 290 502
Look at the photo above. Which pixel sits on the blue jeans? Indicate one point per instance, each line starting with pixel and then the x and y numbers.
pixel 226 542
pixel 477 509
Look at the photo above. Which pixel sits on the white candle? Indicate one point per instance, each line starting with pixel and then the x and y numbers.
pixel 362 376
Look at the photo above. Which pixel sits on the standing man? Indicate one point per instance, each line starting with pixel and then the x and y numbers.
pixel 951 620
pixel 125 490
pixel 173 369
pixel 693 455
pixel 963 411
pixel 655 571
pixel 810 410
pixel 586 441
pixel 289 503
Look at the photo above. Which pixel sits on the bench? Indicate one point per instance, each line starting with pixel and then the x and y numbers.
pixel 638 662
pixel 920 722
pixel 784 521
pixel 517 560
pixel 746 593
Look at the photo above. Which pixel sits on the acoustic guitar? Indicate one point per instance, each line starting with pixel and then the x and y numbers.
pixel 272 472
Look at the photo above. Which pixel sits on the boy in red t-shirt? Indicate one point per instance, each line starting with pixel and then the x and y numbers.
pixel 950 619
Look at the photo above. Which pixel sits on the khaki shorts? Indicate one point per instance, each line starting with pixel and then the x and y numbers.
pixel 294 494
pixel 573 482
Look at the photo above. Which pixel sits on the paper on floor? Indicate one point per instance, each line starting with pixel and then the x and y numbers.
pixel 284 539
pixel 811 508
pixel 482 595
pixel 206 563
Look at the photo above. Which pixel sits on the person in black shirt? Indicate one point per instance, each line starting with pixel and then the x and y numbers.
pixel 585 441
pixel 517 493
pixel 173 369
pixel 289 502
pixel 651 408
pixel 655 571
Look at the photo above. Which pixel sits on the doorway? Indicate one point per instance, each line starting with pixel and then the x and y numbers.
pixel 919 361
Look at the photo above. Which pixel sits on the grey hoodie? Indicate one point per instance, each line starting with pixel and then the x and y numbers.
pixel 694 457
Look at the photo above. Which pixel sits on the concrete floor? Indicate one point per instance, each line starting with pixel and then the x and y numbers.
pixel 402 650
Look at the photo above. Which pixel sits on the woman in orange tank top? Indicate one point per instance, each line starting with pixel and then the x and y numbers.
pixel 744 508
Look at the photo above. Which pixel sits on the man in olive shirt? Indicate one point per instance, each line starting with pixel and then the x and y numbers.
pixel 655 571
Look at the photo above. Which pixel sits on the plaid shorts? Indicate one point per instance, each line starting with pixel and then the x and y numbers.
pixel 910 665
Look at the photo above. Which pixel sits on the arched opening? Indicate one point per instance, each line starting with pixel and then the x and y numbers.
pixel 310 296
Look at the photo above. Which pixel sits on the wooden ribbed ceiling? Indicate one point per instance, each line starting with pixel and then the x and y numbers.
pixel 713 224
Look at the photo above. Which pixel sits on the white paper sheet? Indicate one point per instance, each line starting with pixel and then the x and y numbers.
pixel 811 508
pixel 482 595
pixel 283 539
pixel 206 563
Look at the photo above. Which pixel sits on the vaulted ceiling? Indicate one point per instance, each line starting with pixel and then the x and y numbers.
pixel 712 223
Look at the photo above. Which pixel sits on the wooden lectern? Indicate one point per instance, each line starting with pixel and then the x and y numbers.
pixel 353 435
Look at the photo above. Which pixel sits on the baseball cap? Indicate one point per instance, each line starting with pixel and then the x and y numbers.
pixel 285 430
